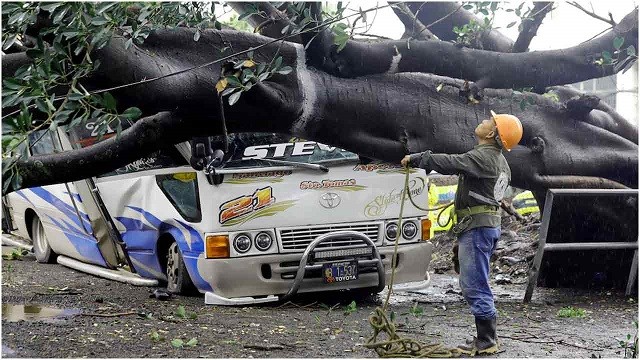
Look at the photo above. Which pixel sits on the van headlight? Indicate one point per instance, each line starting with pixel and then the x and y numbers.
pixel 409 230
pixel 242 243
pixel 391 231
pixel 263 241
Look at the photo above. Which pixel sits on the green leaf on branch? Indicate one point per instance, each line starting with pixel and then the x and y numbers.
pixel 109 101
pixel 631 50
pixel 234 97
pixel 606 56
pixel 277 63
pixel 285 70
pixel 132 113
pixel 617 42
pixel 233 81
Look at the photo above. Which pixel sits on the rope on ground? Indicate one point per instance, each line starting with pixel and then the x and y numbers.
pixel 395 346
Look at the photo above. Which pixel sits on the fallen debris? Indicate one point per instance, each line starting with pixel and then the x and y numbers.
pixel 266 347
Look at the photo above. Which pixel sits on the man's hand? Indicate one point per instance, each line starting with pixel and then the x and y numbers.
pixel 405 161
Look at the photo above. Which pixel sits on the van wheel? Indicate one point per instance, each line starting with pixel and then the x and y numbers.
pixel 178 280
pixel 41 247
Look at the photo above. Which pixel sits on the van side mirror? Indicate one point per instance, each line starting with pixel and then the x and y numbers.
pixel 200 151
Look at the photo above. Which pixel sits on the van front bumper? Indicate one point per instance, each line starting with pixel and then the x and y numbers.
pixel 267 278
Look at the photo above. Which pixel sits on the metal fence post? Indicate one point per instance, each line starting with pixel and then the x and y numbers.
pixel 542 241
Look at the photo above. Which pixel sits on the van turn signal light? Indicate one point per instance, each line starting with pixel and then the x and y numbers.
pixel 426 229
pixel 217 246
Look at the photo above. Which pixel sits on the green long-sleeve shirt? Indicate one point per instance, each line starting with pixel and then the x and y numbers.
pixel 483 178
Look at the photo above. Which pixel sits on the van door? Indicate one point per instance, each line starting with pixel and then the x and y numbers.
pixel 87 200
pixel 66 226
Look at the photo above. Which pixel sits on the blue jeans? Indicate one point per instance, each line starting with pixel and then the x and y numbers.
pixel 475 249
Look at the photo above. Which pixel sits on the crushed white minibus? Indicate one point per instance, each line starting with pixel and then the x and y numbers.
pixel 278 216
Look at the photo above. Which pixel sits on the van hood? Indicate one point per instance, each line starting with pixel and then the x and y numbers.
pixel 299 197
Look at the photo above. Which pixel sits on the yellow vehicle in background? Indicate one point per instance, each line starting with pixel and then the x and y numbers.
pixel 525 203
pixel 442 190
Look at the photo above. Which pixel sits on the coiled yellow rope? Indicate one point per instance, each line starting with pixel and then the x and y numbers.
pixel 395 346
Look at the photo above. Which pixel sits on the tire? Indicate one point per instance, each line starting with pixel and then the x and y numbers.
pixel 178 279
pixel 41 247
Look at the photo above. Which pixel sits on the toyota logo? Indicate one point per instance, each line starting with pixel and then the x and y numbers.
pixel 329 200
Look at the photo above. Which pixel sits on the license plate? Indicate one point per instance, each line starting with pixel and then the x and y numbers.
pixel 339 271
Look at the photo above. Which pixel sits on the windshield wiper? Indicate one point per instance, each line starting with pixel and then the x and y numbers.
pixel 297 164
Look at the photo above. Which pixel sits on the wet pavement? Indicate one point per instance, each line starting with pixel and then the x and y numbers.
pixel 120 320
pixel 21 312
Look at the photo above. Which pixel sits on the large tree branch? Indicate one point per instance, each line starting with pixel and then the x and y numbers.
pixel 530 25
pixel 433 11
pixel 413 28
pixel 538 69
pixel 592 110
pixel 140 140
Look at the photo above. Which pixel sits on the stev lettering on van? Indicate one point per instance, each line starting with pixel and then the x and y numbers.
pixel 273 151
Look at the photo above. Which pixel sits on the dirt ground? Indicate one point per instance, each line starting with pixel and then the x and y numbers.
pixel 71 314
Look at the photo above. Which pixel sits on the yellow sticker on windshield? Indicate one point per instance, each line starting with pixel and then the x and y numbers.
pixel 185 176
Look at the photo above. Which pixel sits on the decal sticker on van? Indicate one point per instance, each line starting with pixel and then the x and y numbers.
pixel 344 185
pixel 383 168
pixel 244 208
pixel 379 205
pixel 266 176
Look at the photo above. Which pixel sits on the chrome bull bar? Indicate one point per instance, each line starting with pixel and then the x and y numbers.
pixel 311 250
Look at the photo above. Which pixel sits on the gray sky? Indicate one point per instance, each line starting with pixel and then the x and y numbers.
pixel 564 27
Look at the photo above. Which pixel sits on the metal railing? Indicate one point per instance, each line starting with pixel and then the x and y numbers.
pixel 552 194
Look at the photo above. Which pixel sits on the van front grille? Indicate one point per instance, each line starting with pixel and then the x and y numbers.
pixel 298 238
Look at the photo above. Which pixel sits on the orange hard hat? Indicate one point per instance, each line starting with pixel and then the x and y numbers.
pixel 509 130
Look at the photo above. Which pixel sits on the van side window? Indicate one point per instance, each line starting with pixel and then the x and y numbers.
pixel 182 191
pixel 41 142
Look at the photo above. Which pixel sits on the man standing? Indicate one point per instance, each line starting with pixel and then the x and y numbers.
pixel 484 176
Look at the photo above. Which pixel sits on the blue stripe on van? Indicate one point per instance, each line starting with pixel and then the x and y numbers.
pixel 76 196
pixel 190 253
pixel 65 208
pixel 138 235
pixel 86 245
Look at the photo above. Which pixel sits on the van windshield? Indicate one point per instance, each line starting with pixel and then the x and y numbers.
pixel 247 149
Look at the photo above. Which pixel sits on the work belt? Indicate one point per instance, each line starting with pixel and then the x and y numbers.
pixel 465 216
pixel 475 210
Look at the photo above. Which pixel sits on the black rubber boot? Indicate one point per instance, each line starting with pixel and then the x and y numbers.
pixel 486 341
